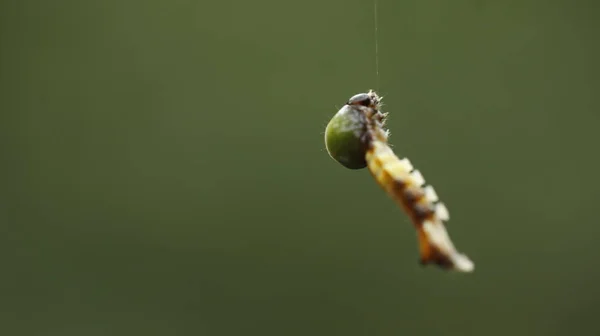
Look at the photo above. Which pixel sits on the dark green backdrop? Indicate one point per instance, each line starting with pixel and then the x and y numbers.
pixel 163 168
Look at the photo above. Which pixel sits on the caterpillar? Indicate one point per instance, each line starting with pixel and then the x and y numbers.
pixel 405 185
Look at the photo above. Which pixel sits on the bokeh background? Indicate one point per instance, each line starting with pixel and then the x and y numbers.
pixel 163 168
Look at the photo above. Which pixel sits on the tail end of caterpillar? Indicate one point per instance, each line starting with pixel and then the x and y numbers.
pixel 435 247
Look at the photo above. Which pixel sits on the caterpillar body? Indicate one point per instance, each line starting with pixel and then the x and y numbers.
pixel 407 187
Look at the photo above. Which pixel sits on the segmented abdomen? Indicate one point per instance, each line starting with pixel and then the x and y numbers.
pixel 404 184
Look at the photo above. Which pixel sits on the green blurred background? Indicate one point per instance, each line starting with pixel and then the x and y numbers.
pixel 164 173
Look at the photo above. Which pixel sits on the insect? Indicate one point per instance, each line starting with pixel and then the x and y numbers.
pixel 356 138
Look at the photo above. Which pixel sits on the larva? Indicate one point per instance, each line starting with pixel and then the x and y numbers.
pixel 405 185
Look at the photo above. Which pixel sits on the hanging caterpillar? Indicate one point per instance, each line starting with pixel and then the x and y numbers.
pixel 356 138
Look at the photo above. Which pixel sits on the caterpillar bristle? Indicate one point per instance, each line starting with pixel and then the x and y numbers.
pixel 430 194
pixel 406 163
pixel 417 178
pixel 442 212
